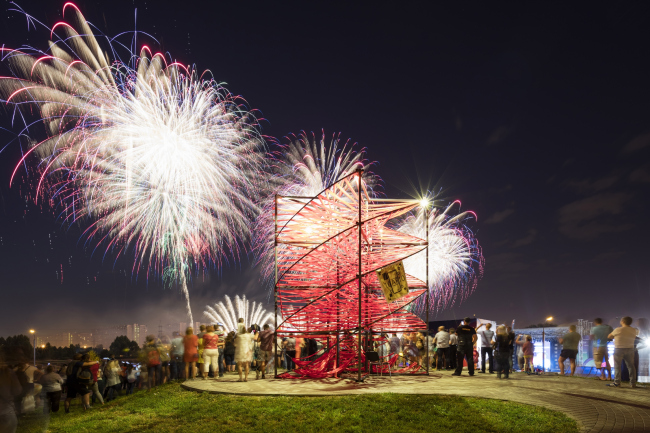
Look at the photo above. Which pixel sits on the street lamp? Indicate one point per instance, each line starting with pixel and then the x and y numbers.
pixel 31 331
pixel 548 319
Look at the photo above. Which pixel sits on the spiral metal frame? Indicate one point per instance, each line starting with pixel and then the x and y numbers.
pixel 327 249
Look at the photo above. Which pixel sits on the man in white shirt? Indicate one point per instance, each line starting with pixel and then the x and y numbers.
pixel 486 346
pixel 442 348
pixel 624 351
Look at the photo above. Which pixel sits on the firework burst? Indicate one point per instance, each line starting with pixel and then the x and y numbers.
pixel 305 167
pixel 163 162
pixel 228 314
pixel 455 258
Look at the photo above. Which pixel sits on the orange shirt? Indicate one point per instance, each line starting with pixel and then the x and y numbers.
pixel 190 342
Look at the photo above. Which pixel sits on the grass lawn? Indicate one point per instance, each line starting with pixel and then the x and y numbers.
pixel 171 409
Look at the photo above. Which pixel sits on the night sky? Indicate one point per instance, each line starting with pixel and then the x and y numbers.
pixel 537 117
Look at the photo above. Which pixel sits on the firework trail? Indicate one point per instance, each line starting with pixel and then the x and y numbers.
pixel 304 167
pixel 163 162
pixel 228 314
pixel 455 258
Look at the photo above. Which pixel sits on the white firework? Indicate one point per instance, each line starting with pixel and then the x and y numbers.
pixel 228 314
pixel 455 259
pixel 163 163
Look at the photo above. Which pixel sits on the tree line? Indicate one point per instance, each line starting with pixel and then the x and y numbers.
pixel 19 348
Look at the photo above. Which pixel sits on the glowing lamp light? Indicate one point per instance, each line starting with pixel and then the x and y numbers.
pixel 31 331
pixel 549 318
pixel 42 346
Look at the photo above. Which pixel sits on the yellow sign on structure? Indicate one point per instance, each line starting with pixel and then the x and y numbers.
pixel 393 281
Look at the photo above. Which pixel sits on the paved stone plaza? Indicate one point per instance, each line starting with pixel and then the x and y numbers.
pixel 596 407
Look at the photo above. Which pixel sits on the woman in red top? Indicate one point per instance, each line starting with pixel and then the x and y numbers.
pixel 210 352
pixel 94 369
pixel 191 355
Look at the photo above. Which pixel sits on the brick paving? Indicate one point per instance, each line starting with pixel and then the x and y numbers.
pixel 596 407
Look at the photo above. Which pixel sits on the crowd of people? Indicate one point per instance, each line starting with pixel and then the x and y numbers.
pixel 454 348
pixel 209 354
pixel 500 351
pixel 212 353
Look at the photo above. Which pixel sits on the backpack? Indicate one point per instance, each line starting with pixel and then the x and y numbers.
pixel 70 369
pixel 85 376
pixel 153 356
pixel 164 354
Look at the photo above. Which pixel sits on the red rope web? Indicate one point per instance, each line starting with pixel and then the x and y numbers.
pixel 319 254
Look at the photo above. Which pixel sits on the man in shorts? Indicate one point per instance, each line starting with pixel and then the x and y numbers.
pixel 569 343
pixel 599 335
pixel 266 348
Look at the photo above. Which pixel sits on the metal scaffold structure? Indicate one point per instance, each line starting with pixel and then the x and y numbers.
pixel 327 251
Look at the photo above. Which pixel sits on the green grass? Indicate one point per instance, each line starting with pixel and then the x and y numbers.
pixel 172 409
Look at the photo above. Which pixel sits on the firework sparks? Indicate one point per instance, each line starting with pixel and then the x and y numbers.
pixel 164 163
pixel 228 314
pixel 455 258
pixel 305 167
